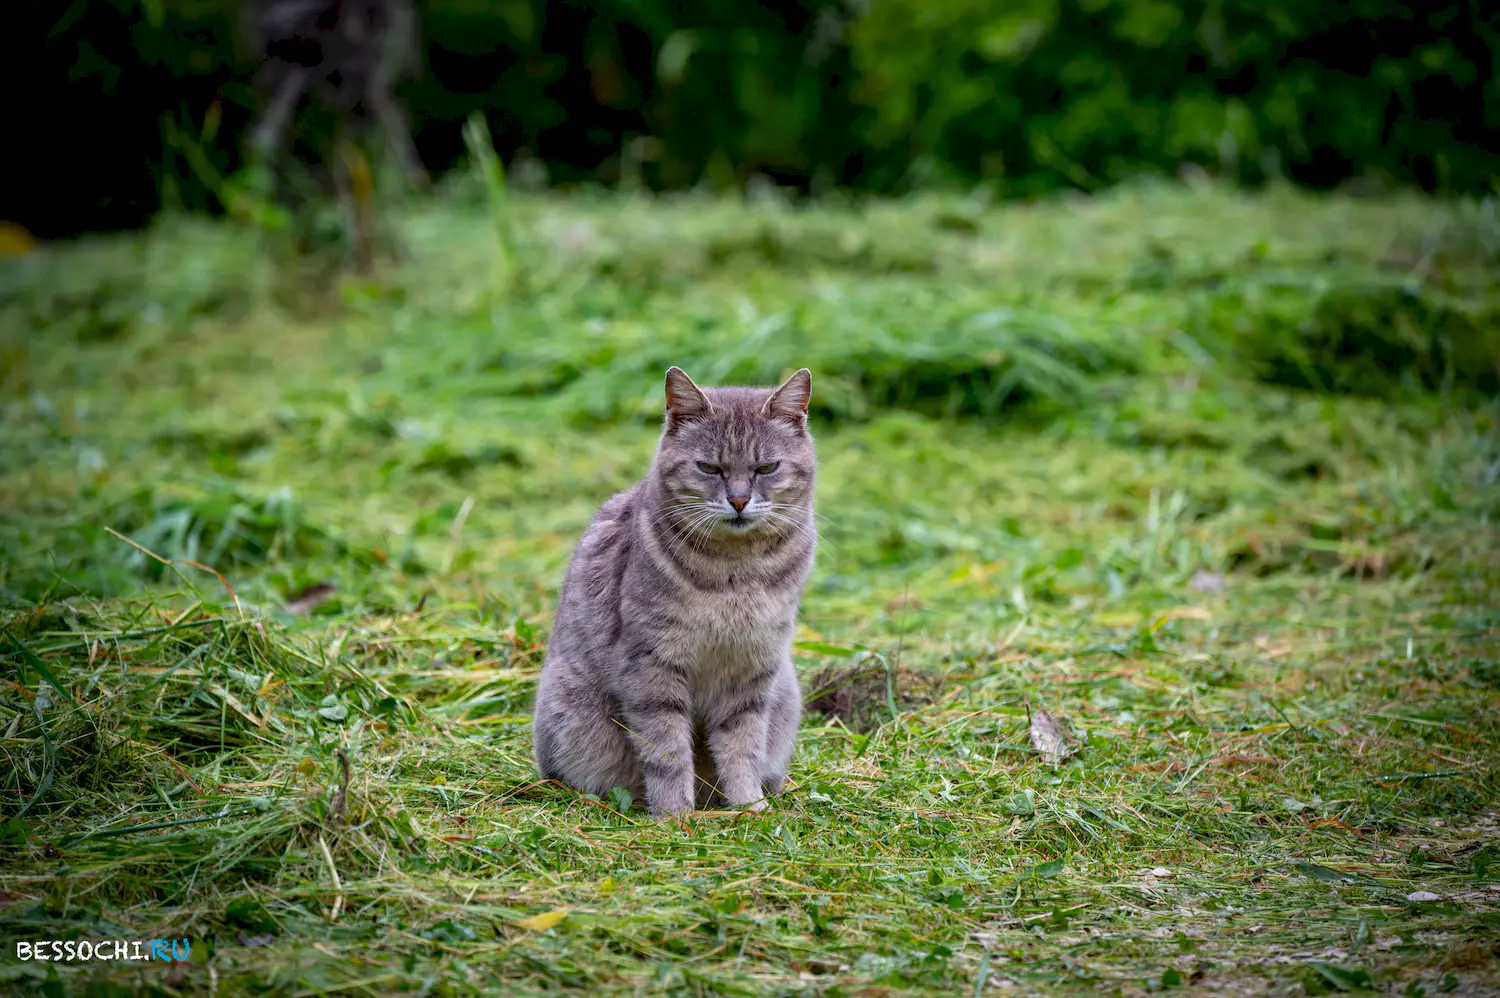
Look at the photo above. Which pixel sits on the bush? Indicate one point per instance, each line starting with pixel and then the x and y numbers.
pixel 1042 94
pixel 1027 96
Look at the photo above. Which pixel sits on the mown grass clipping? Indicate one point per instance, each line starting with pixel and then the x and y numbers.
pixel 1152 644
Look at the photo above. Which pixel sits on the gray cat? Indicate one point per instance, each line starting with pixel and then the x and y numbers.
pixel 669 669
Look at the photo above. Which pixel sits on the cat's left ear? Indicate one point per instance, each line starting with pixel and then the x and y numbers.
pixel 789 402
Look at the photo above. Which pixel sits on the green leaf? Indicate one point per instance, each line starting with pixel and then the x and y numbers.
pixel 1046 870
pixel 1324 874
pixel 12 832
pixel 1071 558
pixel 1171 979
pixel 1343 978
pixel 41 667
pixel 819 923
pixel 821 648
pixel 250 915
pixel 332 709
pixel 457 932
pixel 1022 803
pixel 622 798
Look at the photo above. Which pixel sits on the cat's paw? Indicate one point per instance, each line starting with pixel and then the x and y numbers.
pixel 669 793
pixel 670 805
pixel 671 812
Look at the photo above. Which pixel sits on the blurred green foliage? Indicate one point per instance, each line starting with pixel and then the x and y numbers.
pixel 1037 94
pixel 877 95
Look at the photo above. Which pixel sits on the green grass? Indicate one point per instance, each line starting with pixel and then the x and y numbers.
pixel 1214 477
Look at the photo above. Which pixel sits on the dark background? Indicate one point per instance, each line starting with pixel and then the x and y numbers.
pixel 876 96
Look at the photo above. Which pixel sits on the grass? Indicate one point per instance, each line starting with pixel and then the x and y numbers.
pixel 1214 477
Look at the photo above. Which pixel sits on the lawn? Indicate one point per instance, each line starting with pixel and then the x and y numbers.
pixel 1212 477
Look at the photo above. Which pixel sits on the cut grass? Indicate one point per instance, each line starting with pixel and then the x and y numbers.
pixel 1148 462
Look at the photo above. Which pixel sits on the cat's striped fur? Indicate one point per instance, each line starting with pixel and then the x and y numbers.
pixel 669 667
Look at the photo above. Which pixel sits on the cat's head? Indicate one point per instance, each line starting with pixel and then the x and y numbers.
pixel 737 460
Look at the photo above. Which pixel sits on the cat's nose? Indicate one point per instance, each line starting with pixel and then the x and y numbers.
pixel 738 503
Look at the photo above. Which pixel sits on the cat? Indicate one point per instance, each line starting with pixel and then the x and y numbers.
pixel 669 669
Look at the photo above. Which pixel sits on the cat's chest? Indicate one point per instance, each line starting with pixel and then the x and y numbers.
pixel 745 621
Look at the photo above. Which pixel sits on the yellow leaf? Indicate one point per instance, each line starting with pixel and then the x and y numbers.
pixel 307 767
pixel 14 240
pixel 544 921
pixel 607 885
pixel 236 706
pixel 440 778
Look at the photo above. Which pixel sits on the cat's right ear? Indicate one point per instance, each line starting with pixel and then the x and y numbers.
pixel 685 400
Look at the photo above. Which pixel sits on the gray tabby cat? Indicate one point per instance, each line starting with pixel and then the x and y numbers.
pixel 669 669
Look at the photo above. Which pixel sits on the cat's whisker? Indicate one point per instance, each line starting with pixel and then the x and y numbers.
pixel 682 529
pixel 807 529
pixel 683 511
pixel 691 538
pixel 779 506
pixel 704 518
pixel 798 526
pixel 682 506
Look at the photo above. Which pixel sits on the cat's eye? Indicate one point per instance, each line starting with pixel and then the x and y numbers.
pixel 768 467
pixel 708 469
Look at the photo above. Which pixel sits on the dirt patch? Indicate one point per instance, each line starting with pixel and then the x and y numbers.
pixel 865 696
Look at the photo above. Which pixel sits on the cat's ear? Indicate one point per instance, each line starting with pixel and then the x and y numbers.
pixel 789 402
pixel 685 400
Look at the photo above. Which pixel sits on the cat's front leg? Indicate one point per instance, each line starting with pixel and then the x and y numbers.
pixel 736 729
pixel 782 716
pixel 659 718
